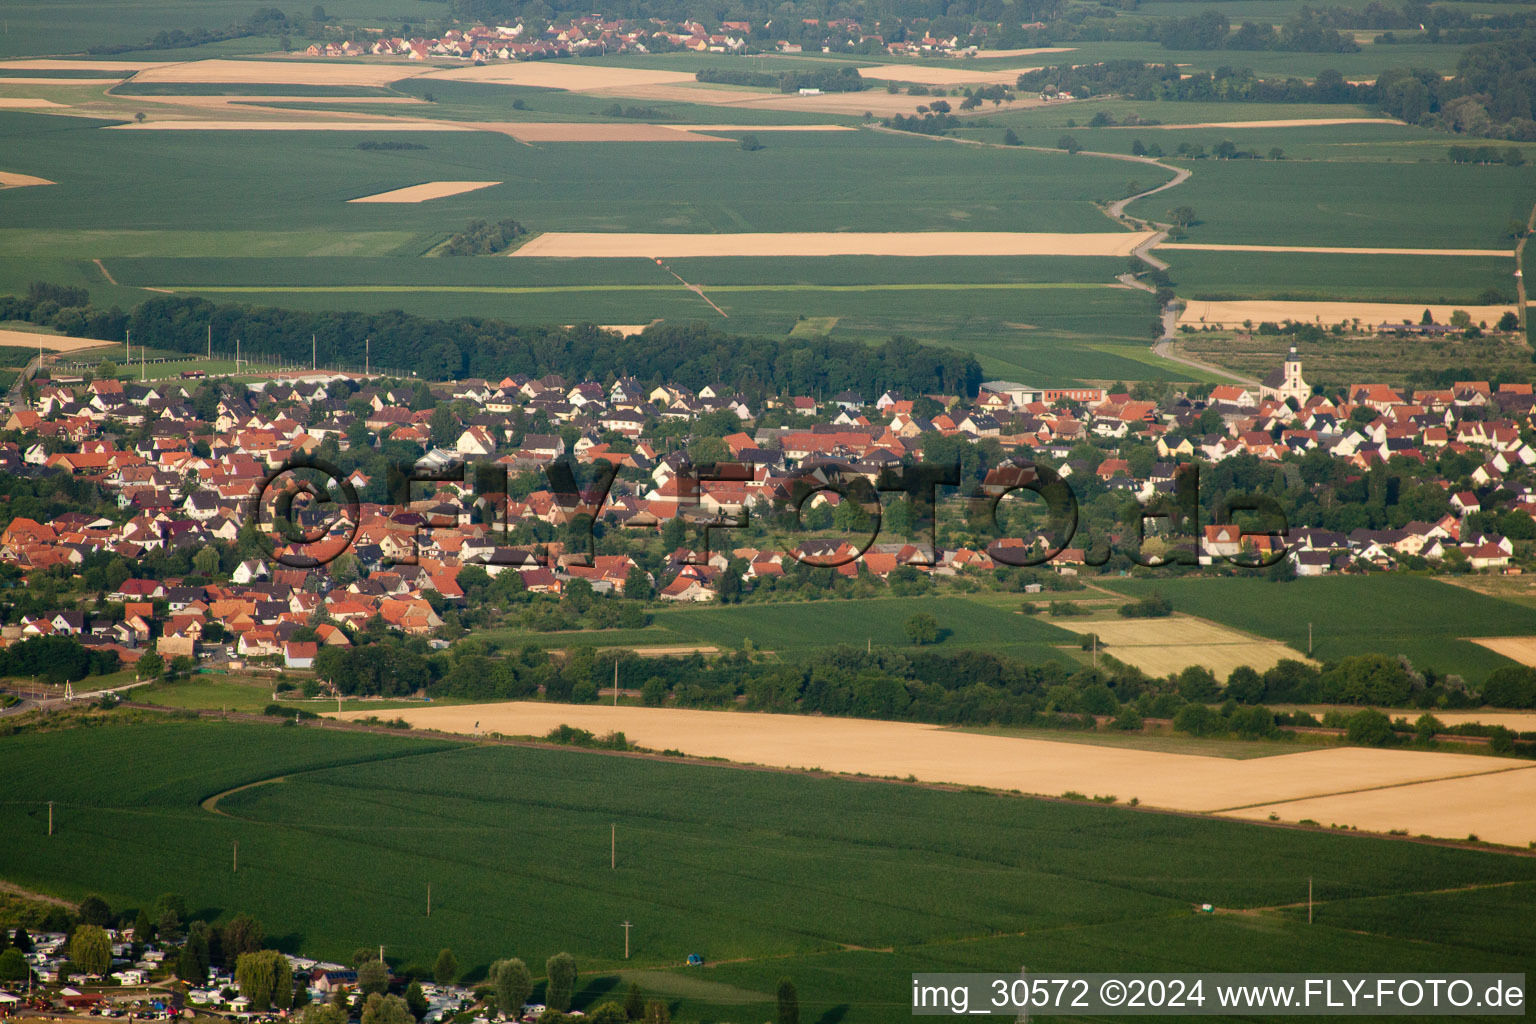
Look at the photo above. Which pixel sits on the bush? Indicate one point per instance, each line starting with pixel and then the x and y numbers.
pixel 1153 606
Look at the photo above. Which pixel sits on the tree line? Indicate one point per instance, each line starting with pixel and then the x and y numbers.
pixel 842 79
pixel 693 355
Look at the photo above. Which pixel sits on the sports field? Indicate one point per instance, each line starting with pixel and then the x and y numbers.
pixel 845 886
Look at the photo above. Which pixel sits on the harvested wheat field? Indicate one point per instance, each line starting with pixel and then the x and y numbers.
pixel 49 342
pixel 1233 313
pixel 1503 253
pixel 1163 646
pixel 126 66
pixel 425 191
pixel 1515 648
pixel 1497 808
pixel 933 754
pixel 25 103
pixel 833 243
pixel 1295 122
pixel 1517 721
pixel 592 131
pixel 276 72
pixel 386 124
pixel 944 74
pixel 9 180
pixel 573 77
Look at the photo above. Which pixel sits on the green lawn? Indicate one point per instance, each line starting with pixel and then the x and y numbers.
pixel 1391 613
pixel 847 887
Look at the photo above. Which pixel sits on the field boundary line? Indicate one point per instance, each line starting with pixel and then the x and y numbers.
pixel 105 272
pixel 1375 789
pixel 1473 887
pixel 211 803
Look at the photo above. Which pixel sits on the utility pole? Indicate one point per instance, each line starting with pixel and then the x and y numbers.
pixel 613 846
pixel 312 362
pixel 367 356
pixel 1095 650
pixel 235 865
pixel 626 940
pixel 429 899
pixel 128 347
pixel 1309 639
pixel 237 355
pixel 381 952
pixel 210 339
pixel 143 370
pixel 50 817
pixel 1309 899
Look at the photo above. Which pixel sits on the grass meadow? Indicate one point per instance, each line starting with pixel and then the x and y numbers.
pixel 1394 613
pixel 847 887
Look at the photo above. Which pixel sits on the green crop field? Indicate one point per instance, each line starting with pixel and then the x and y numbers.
pixel 809 626
pixel 1414 206
pixel 1387 614
pixel 847 887
pixel 1331 276
pixel 293 188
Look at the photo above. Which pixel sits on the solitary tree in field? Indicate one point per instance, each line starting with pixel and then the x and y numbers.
pixel 446 970
pixel 561 969
pixel 789 1002
pixel 922 629
pixel 139 117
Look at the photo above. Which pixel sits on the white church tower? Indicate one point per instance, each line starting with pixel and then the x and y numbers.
pixel 1286 383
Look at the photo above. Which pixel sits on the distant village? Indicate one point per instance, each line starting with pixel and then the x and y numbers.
pixel 200 453
pixel 133 983
pixel 593 35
